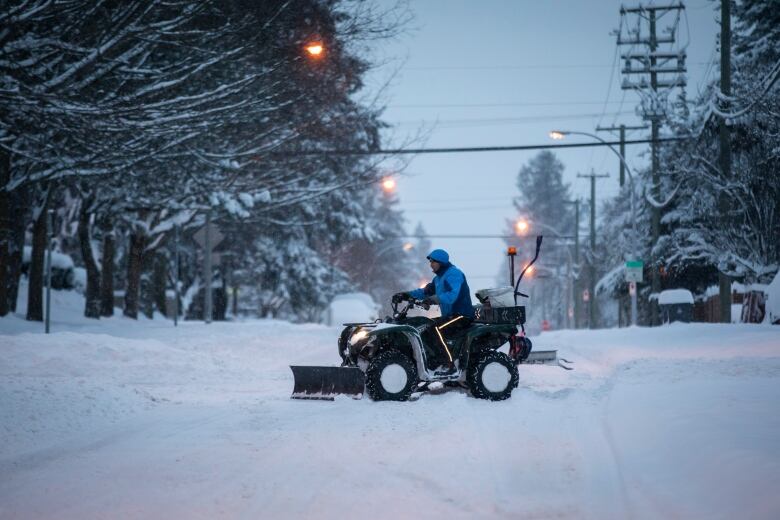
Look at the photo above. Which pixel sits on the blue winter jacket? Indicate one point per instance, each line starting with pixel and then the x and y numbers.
pixel 453 291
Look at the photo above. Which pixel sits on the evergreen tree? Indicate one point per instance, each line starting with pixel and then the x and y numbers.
pixel 543 204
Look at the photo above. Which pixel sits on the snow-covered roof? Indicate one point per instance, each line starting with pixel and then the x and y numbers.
pixel 675 296
pixel 736 287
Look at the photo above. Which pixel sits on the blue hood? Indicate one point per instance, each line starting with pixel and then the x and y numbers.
pixel 439 255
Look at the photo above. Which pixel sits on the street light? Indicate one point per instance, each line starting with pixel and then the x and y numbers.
pixel 315 49
pixel 388 185
pixel 522 226
pixel 560 134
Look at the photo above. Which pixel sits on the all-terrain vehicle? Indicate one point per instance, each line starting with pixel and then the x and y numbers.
pixel 396 357
pixel 393 358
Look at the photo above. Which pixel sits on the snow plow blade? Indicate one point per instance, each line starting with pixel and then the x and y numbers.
pixel 548 357
pixel 542 356
pixel 327 382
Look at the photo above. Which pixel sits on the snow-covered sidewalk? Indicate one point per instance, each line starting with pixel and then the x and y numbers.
pixel 118 419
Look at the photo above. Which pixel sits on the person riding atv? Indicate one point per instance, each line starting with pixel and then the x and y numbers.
pixel 394 358
pixel 397 358
pixel 450 290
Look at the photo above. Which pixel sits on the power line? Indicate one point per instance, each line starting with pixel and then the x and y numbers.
pixel 514 237
pixel 606 99
pixel 458 209
pixel 450 123
pixel 609 86
pixel 468 149
pixel 518 67
pixel 488 105
pixel 462 199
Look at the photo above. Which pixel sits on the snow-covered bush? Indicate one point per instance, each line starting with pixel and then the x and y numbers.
pixel 773 300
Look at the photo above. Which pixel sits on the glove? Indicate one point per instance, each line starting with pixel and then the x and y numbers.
pixel 428 301
pixel 399 297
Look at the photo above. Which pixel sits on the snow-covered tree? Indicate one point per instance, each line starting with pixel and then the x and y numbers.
pixel 712 222
pixel 621 238
pixel 543 203
pixel 729 223
pixel 152 112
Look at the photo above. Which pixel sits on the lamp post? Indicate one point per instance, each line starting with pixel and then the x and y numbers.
pixel 560 134
pixel 49 238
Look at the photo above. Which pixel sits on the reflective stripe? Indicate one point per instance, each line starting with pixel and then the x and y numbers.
pixel 444 344
pixel 451 321
pixel 441 338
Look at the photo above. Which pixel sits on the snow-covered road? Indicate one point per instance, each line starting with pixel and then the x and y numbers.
pixel 118 419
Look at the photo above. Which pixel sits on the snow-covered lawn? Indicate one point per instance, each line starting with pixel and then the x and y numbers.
pixel 123 419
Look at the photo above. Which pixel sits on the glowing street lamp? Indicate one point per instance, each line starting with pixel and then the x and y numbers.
pixel 388 185
pixel 315 49
pixel 408 246
pixel 522 226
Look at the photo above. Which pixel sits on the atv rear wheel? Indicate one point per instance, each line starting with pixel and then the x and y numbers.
pixel 492 375
pixel 391 376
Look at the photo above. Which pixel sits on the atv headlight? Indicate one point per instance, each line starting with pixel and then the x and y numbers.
pixel 358 337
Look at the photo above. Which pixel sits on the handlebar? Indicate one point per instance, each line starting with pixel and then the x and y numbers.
pixel 410 302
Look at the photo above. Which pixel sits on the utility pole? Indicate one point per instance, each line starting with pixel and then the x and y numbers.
pixel 207 270
pixel 569 285
pixel 725 144
pixel 622 129
pixel 573 271
pixel 653 63
pixel 50 239
pixel 576 263
pixel 592 264
pixel 176 275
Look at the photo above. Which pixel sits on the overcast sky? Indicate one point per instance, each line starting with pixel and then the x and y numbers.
pixel 506 72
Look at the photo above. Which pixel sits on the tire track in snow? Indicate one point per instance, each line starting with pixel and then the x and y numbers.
pixel 617 462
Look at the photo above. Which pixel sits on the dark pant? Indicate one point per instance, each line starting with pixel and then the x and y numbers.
pixel 439 338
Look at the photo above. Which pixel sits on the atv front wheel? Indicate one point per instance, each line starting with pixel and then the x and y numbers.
pixel 492 375
pixel 391 376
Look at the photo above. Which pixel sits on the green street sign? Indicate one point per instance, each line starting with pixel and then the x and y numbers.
pixel 634 271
